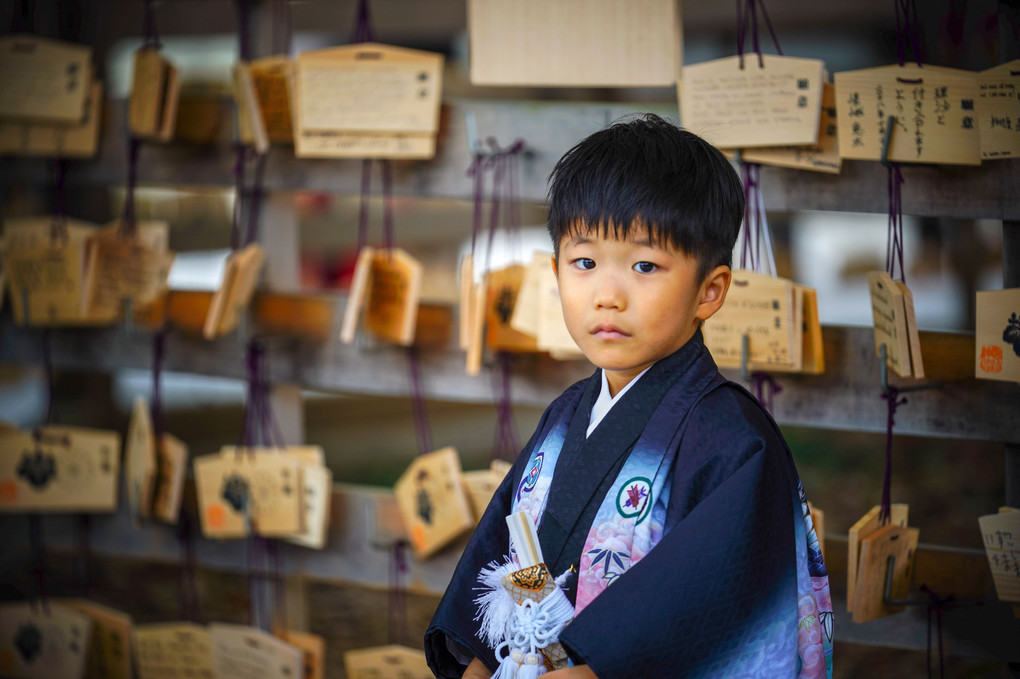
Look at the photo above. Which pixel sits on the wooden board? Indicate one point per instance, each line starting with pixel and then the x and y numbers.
pixel 866 525
pixel 178 650
pixel 273 76
pixel 118 269
pixel 822 156
pixel 140 463
pixel 875 550
pixel 313 652
pixel 818 521
pixel 59 469
pixel 155 94
pixel 1001 536
pixel 38 643
pixel 734 107
pixel 172 467
pixel 465 286
pixel 110 654
pixel 367 101
pixel 591 43
pixel 79 139
pixel 763 308
pixel 480 486
pixel 386 662
pixel 476 333
pixel 360 283
pixel 43 79
pixel 240 278
pixel 240 651
pixel 934 111
pixel 553 335
pixel 997 335
pixel 394 293
pixel 890 322
pixel 913 337
pixel 998 108
pixel 432 501
pixel 503 287
pixel 267 485
pixel 46 283
pixel 316 493
pixel 251 127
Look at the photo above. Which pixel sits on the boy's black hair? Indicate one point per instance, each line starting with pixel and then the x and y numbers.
pixel 650 173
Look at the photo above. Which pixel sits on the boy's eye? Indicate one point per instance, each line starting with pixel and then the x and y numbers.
pixel 584 263
pixel 645 267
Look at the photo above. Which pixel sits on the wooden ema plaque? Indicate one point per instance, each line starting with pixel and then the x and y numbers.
pixel 386 662
pixel 890 321
pixel 818 521
pixel 240 278
pixel 480 486
pixel 575 43
pixel 120 269
pixel 733 107
pixel 432 501
pixel 465 288
pixel 360 282
pixel 43 643
pixel 313 652
pixel 272 77
pixel 140 460
pixel 172 467
pixel 865 526
pixel 913 337
pixel 1001 536
pixel 503 288
pixel 240 651
pixel 43 80
pixel 873 563
pixel 822 156
pixel 998 107
pixel 764 309
pixel 934 111
pixel 260 492
pixel 997 335
pixel 394 292
pixel 173 651
pixel 251 128
pixel 79 139
pixel 46 283
pixel 59 469
pixel 109 655
pixel 155 91
pixel 367 101
pixel 476 331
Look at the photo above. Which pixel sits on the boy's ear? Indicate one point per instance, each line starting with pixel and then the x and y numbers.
pixel 713 291
pixel 556 266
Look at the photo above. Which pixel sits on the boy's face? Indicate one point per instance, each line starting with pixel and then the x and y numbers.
pixel 628 303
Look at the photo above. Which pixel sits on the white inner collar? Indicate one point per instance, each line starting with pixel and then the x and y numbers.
pixel 605 402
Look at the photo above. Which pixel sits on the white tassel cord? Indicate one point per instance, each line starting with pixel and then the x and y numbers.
pixel 533 626
pixel 495 605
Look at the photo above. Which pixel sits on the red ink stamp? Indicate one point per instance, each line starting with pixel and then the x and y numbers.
pixel 991 359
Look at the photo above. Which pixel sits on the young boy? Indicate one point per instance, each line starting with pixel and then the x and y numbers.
pixel 655 475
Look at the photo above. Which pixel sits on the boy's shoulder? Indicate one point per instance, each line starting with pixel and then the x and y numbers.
pixel 729 420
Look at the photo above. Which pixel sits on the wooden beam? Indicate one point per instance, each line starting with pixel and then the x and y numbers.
pixel 845 397
pixel 549 128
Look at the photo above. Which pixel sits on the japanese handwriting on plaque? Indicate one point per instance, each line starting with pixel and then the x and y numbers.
pixel 367 100
pixel 59 469
pixel 998 110
pixel 865 526
pixel 600 43
pixel 394 293
pixel 110 654
pixel 1001 536
pixel 933 108
pixel 43 80
pixel 43 642
pixel 258 492
pixel 432 501
pixel 313 651
pixel 120 268
pixel 890 321
pixel 273 77
pixel 173 651
pixel 764 309
pixel 822 156
pixel 997 335
pixel 155 93
pixel 735 107
pixel 239 651
pixel 386 662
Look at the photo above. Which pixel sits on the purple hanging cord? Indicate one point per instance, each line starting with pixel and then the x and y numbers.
pixel 894 239
pixel 128 223
pixel 151 30
pixel 422 426
pixel 255 199
pixel 279 587
pixel 397 604
pixel 388 204
pixel 83 561
pixel 506 444
pixel 40 570
pixel 58 225
pixel 936 605
pixel 188 605
pixel 363 24
pixel 747 12
pixel 47 351
pixel 893 401
pixel 765 388
pixel 907 31
pixel 476 171
pixel 283 28
pixel 156 402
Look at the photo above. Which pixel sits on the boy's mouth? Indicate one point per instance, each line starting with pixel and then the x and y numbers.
pixel 607 331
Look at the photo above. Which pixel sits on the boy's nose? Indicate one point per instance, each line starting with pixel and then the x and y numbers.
pixel 608 294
